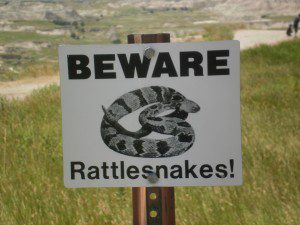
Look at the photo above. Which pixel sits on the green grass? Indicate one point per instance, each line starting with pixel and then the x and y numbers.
pixel 32 191
pixel 15 36
pixel 279 18
pixel 218 32
pixel 38 24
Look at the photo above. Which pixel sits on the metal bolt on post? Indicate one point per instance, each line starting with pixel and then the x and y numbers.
pixel 152 178
pixel 149 53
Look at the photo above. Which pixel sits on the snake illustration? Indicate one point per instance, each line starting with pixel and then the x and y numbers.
pixel 160 99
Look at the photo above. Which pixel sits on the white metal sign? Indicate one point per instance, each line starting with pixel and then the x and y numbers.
pixel 133 110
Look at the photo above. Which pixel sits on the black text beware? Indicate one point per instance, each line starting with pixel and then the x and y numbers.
pixel 136 66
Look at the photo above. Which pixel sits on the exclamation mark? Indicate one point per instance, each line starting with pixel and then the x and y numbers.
pixel 231 168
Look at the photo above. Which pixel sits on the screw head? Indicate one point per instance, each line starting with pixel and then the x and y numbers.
pixel 152 178
pixel 149 53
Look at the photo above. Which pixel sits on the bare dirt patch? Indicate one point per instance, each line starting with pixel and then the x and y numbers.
pixel 21 88
pixel 253 38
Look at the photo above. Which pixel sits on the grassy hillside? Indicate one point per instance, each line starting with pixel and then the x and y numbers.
pixel 31 187
pixel 29 43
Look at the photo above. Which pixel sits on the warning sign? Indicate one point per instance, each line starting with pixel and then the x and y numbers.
pixel 167 109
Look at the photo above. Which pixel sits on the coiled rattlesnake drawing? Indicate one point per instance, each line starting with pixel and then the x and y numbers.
pixel 159 99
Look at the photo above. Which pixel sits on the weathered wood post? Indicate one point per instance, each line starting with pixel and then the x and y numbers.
pixel 152 205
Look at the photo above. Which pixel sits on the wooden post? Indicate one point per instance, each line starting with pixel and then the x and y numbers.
pixel 153 205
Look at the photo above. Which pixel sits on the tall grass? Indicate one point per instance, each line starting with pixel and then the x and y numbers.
pixel 31 181
pixel 219 32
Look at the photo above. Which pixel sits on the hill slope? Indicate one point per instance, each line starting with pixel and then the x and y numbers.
pixel 70 10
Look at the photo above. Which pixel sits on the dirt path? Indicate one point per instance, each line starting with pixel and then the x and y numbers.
pixel 21 88
pixel 248 38
pixel 253 38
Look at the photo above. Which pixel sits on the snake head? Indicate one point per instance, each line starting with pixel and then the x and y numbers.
pixel 189 106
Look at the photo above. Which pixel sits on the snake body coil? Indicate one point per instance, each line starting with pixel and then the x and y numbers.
pixel 159 99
